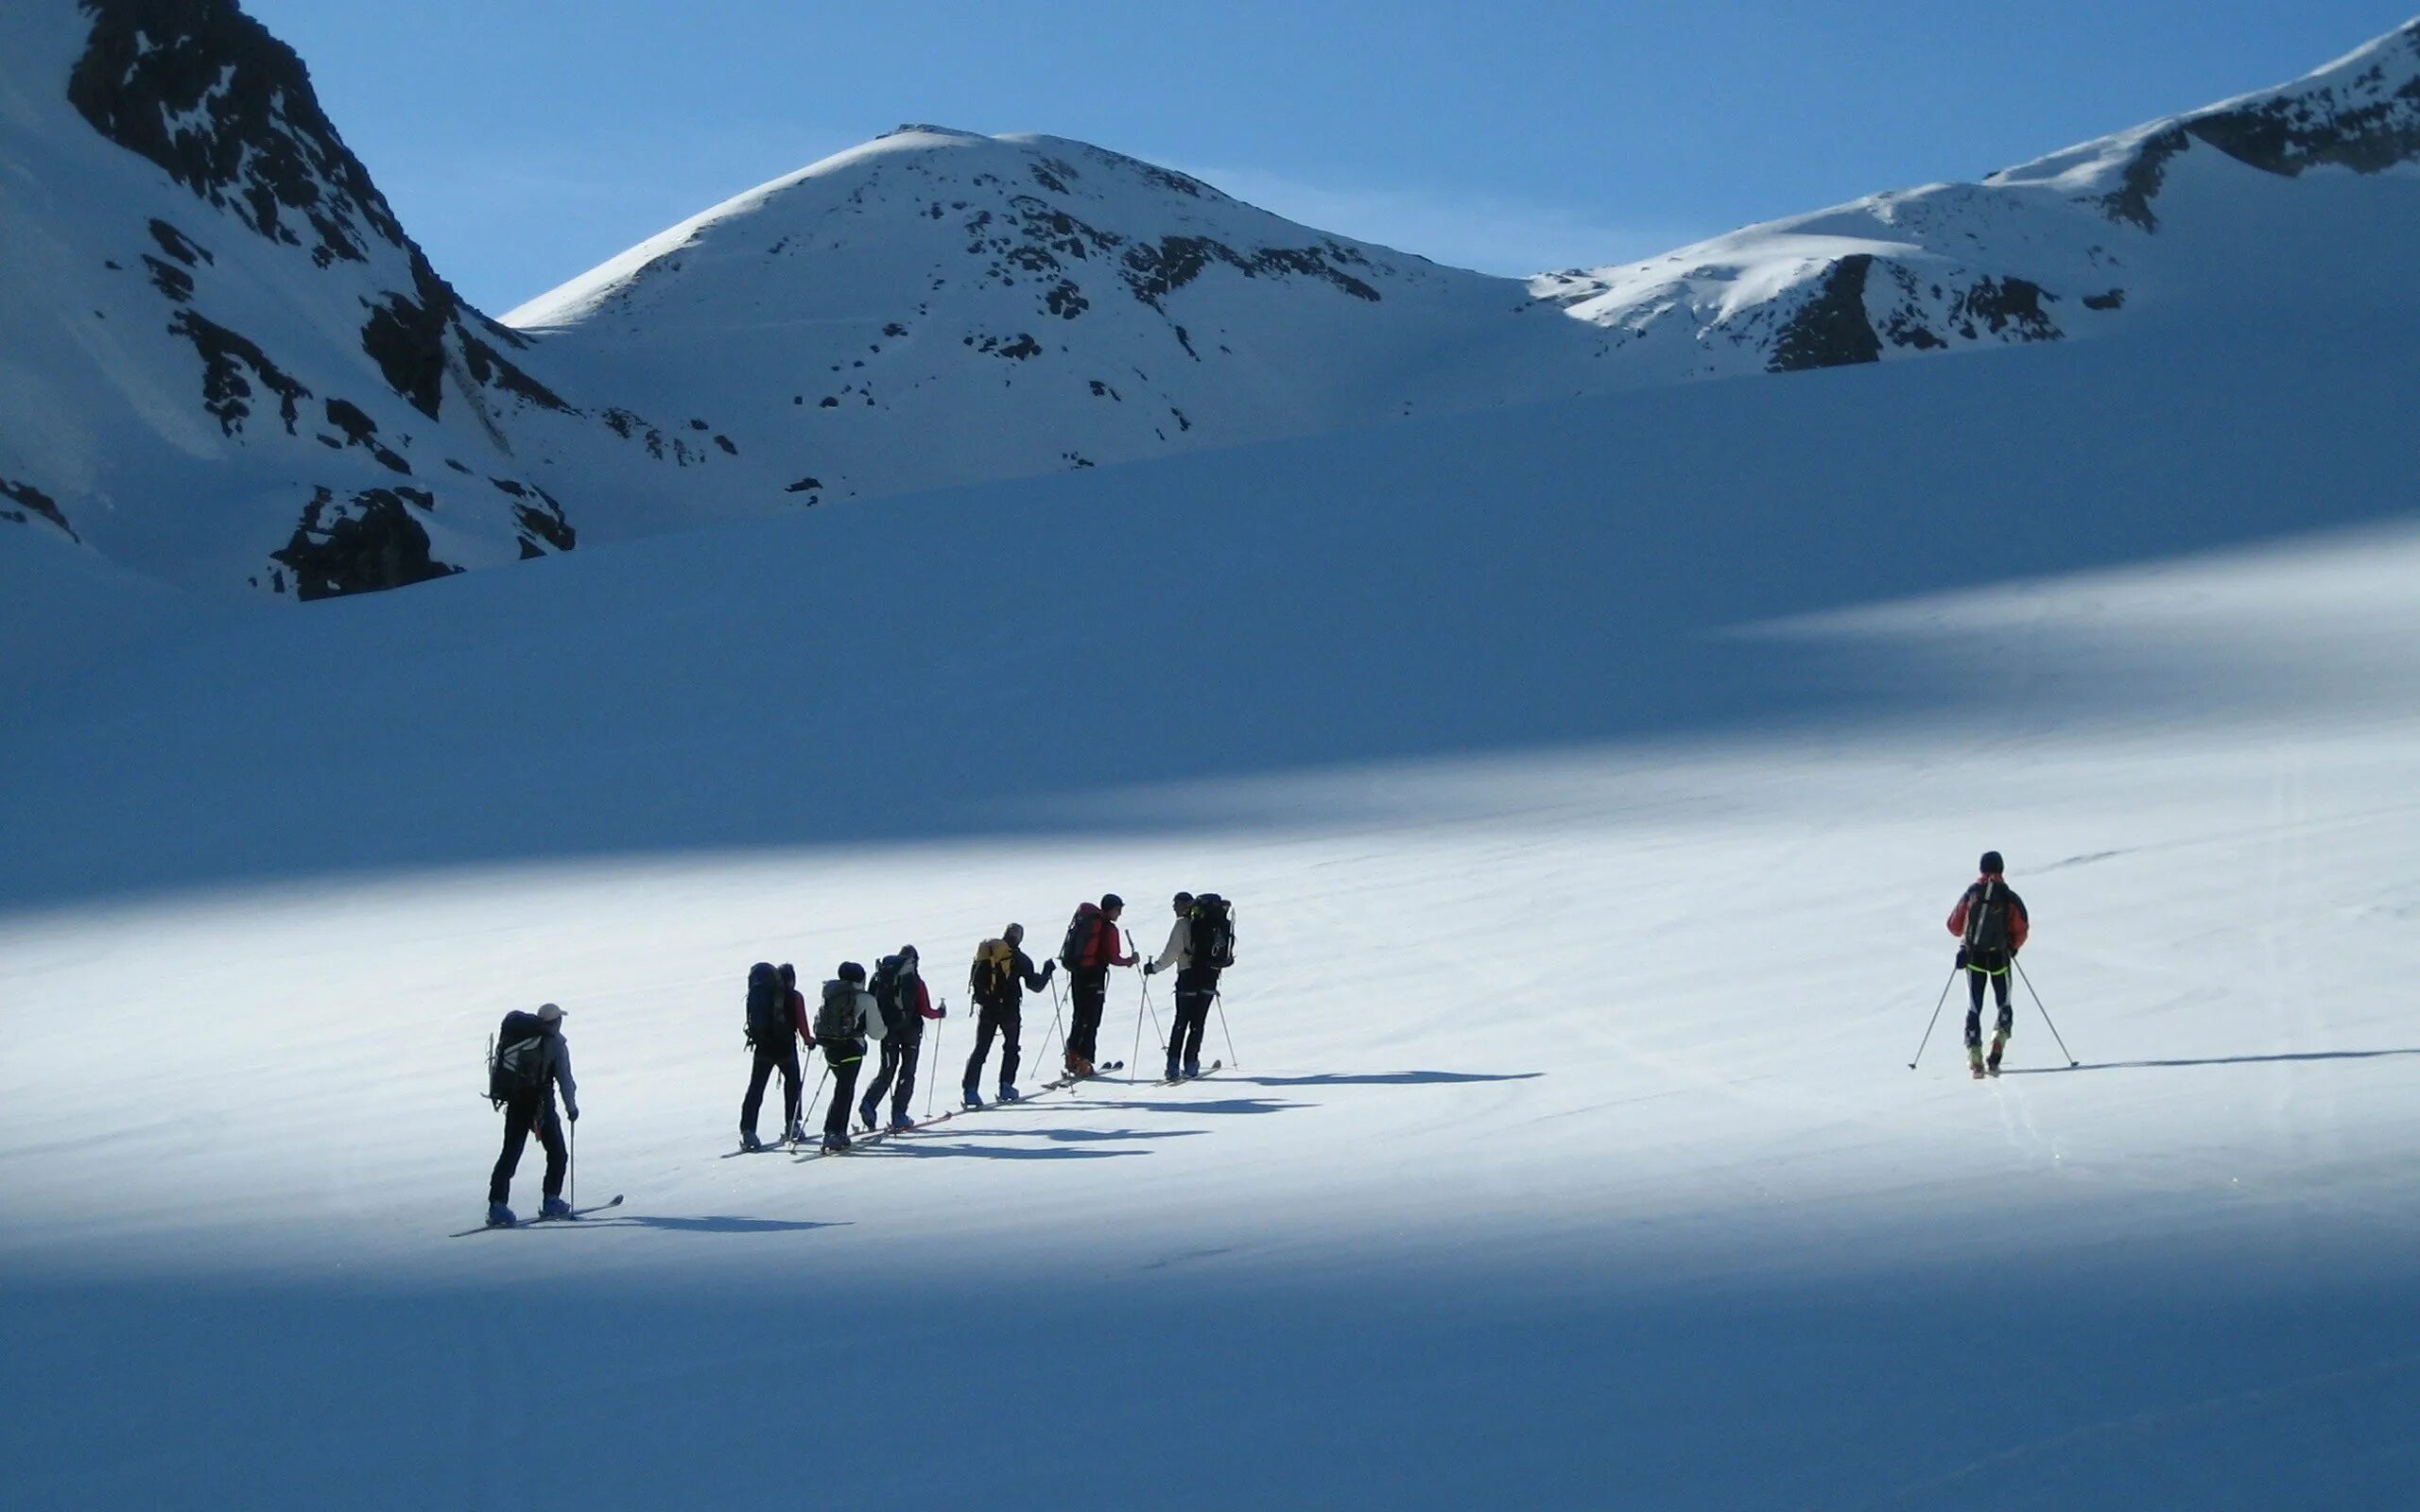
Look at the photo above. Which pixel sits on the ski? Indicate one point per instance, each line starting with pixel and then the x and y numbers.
pixel 857 1141
pixel 615 1201
pixel 1179 1081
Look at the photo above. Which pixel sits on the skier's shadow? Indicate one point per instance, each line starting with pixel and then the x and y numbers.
pixel 1386 1079
pixel 2211 1060
pixel 1087 1136
pixel 716 1223
pixel 929 1149
pixel 1225 1105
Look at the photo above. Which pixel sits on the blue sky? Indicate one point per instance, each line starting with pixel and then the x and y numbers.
pixel 525 141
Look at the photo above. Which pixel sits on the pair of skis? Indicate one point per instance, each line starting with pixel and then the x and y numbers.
pixel 1210 1070
pixel 615 1201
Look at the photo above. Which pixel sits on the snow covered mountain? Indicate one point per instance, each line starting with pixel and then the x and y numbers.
pixel 224 364
pixel 2188 211
pixel 939 307
pixel 222 360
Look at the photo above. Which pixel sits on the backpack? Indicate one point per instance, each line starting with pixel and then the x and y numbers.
pixel 836 1017
pixel 1210 926
pixel 768 1007
pixel 517 1058
pixel 1987 919
pixel 1082 946
pixel 884 987
pixel 993 978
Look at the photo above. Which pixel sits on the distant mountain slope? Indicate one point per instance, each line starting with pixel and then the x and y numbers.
pixel 224 364
pixel 222 360
pixel 2051 250
pixel 939 307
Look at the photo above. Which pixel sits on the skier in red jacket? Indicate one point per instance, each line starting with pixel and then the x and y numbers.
pixel 1991 924
pixel 1089 952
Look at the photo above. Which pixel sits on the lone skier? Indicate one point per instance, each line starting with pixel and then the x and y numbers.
pixel 900 997
pixel 1002 974
pixel 776 1023
pixel 842 1025
pixel 1088 952
pixel 1991 924
pixel 530 1061
pixel 1200 943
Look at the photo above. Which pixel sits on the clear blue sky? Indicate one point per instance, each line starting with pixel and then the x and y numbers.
pixel 525 141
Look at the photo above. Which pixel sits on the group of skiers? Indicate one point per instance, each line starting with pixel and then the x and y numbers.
pixel 882 1014
pixel 885 1015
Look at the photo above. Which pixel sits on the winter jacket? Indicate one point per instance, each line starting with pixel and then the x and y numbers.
pixel 1017 974
pixel 2018 924
pixel 1179 950
pixel 799 1019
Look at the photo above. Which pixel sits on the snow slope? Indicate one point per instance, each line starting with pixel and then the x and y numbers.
pixel 1591 902
pixel 2204 211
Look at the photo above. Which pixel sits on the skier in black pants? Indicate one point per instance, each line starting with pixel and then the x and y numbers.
pixel 900 996
pixel 842 1025
pixel 536 1041
pixel 1197 984
pixel 776 1025
pixel 1991 924
pixel 1089 952
pixel 1001 976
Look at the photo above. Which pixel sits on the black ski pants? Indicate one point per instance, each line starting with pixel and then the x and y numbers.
pixel 988 1020
pixel 770 1058
pixel 1976 977
pixel 1195 988
pixel 844 1057
pixel 898 1060
pixel 527 1111
pixel 1089 986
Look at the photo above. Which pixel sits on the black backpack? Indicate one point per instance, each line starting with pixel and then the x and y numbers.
pixel 517 1058
pixel 767 1005
pixel 835 1018
pixel 1987 919
pixel 1084 935
pixel 884 987
pixel 1211 932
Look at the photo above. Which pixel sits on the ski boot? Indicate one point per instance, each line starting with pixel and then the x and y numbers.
pixel 968 1100
pixel 1172 1074
pixel 867 1117
pixel 1192 1069
pixel 1991 1061
pixel 900 1121
pixel 500 1216
pixel 554 1208
pixel 795 1134
pixel 1008 1093
pixel 1975 1060
pixel 834 1139
pixel 749 1142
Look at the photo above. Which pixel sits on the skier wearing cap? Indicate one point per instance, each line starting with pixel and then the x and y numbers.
pixel 1197 984
pixel 535 1108
pixel 1088 952
pixel 900 996
pixel 1991 924
pixel 1002 974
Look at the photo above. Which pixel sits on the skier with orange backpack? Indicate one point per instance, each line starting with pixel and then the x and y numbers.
pixel 1088 952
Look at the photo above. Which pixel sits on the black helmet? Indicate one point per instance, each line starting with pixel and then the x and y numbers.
pixel 1991 864
pixel 906 952
pixel 1111 900
pixel 852 972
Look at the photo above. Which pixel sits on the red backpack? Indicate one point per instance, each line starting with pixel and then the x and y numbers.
pixel 1085 930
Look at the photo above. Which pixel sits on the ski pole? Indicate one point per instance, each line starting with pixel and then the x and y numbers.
pixel 1936 1018
pixel 2072 1062
pixel 572 1161
pixel 1219 1000
pixel 803 1118
pixel 932 1072
pixel 1055 1033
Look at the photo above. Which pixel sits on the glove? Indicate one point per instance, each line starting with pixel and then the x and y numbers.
pixel 1048 966
pixel 1961 959
pixel 1149 967
pixel 571 1110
